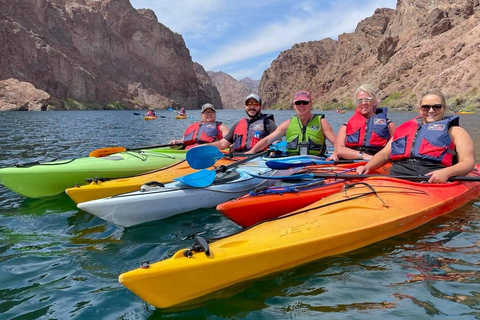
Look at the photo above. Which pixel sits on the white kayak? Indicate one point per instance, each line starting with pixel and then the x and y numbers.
pixel 153 203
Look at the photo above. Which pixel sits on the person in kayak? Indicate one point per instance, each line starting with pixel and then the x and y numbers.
pixel 431 144
pixel 205 131
pixel 305 132
pixel 248 131
pixel 368 130
pixel 151 113
pixel 182 112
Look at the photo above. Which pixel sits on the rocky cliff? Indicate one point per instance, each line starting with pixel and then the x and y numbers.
pixel 404 51
pixel 232 91
pixel 97 52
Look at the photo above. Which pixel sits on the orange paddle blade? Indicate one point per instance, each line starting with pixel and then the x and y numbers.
pixel 98 153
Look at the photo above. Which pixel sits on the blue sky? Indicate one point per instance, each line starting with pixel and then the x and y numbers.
pixel 242 38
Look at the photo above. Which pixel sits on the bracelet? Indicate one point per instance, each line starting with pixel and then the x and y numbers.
pixel 360 154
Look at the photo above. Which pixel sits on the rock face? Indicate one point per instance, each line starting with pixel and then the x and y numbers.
pixel 252 85
pixel 419 45
pixel 233 92
pixel 99 51
pixel 16 95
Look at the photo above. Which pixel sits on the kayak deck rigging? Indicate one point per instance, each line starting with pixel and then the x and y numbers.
pixel 347 198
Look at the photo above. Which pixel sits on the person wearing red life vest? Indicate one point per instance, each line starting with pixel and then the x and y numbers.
pixel 368 130
pixel 150 113
pixel 249 130
pixel 205 131
pixel 432 144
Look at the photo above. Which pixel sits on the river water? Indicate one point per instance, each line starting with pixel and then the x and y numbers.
pixel 57 262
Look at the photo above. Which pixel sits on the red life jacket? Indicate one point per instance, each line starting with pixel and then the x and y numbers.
pixel 245 136
pixel 199 132
pixel 369 135
pixel 429 141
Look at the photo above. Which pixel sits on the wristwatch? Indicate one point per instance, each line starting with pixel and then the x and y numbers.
pixel 360 154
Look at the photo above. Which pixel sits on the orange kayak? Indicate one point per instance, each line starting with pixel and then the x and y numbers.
pixel 368 211
pixel 279 200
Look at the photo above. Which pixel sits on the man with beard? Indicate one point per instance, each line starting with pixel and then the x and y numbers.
pixel 248 131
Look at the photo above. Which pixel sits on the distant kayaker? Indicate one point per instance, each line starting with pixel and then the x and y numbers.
pixel 368 130
pixel 205 131
pixel 432 144
pixel 150 113
pixel 248 131
pixel 305 132
pixel 182 112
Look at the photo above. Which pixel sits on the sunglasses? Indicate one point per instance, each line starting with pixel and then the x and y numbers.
pixel 426 107
pixel 297 103
pixel 364 100
pixel 255 104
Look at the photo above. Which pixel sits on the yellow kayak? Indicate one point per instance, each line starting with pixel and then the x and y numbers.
pixel 102 189
pixel 361 214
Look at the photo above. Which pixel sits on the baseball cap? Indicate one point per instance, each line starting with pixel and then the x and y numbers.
pixel 253 96
pixel 208 106
pixel 302 96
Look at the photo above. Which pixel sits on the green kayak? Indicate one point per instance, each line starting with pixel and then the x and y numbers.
pixel 51 178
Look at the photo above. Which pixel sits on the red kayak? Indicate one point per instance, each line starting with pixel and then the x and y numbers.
pixel 279 200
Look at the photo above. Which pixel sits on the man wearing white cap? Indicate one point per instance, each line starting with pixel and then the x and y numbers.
pixel 305 132
pixel 205 131
pixel 248 131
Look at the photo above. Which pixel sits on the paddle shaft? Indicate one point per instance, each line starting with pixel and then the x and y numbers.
pixel 152 147
pixel 411 178
pixel 224 168
pixel 111 150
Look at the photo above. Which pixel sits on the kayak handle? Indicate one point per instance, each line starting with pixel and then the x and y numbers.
pixel 200 245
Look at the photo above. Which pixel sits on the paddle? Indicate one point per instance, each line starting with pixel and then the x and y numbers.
pixel 205 156
pixel 98 153
pixel 136 113
pixel 204 178
pixel 202 157
pixel 302 161
pixel 363 176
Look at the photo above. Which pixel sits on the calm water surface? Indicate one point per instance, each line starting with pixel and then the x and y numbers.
pixel 57 262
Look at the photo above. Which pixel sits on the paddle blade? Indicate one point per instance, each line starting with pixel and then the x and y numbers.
pixel 294 162
pixel 98 153
pixel 199 179
pixel 202 157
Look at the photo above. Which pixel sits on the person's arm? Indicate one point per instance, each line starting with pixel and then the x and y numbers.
pixel 176 141
pixel 223 130
pixel 344 151
pixel 378 160
pixel 391 128
pixel 220 144
pixel 272 137
pixel 465 156
pixel 330 135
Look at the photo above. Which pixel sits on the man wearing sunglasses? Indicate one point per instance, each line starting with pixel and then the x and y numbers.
pixel 305 132
pixel 431 144
pixel 245 134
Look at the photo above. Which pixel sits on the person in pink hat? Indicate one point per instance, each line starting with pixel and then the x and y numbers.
pixel 305 132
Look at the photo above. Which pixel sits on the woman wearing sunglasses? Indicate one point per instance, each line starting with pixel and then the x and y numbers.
pixel 305 132
pixel 368 130
pixel 431 144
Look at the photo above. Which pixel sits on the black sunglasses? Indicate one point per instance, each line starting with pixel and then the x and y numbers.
pixel 427 107
pixel 297 103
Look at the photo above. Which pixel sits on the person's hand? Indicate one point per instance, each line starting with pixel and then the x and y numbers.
pixel 173 142
pixel 362 170
pixel 438 176
pixel 333 157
